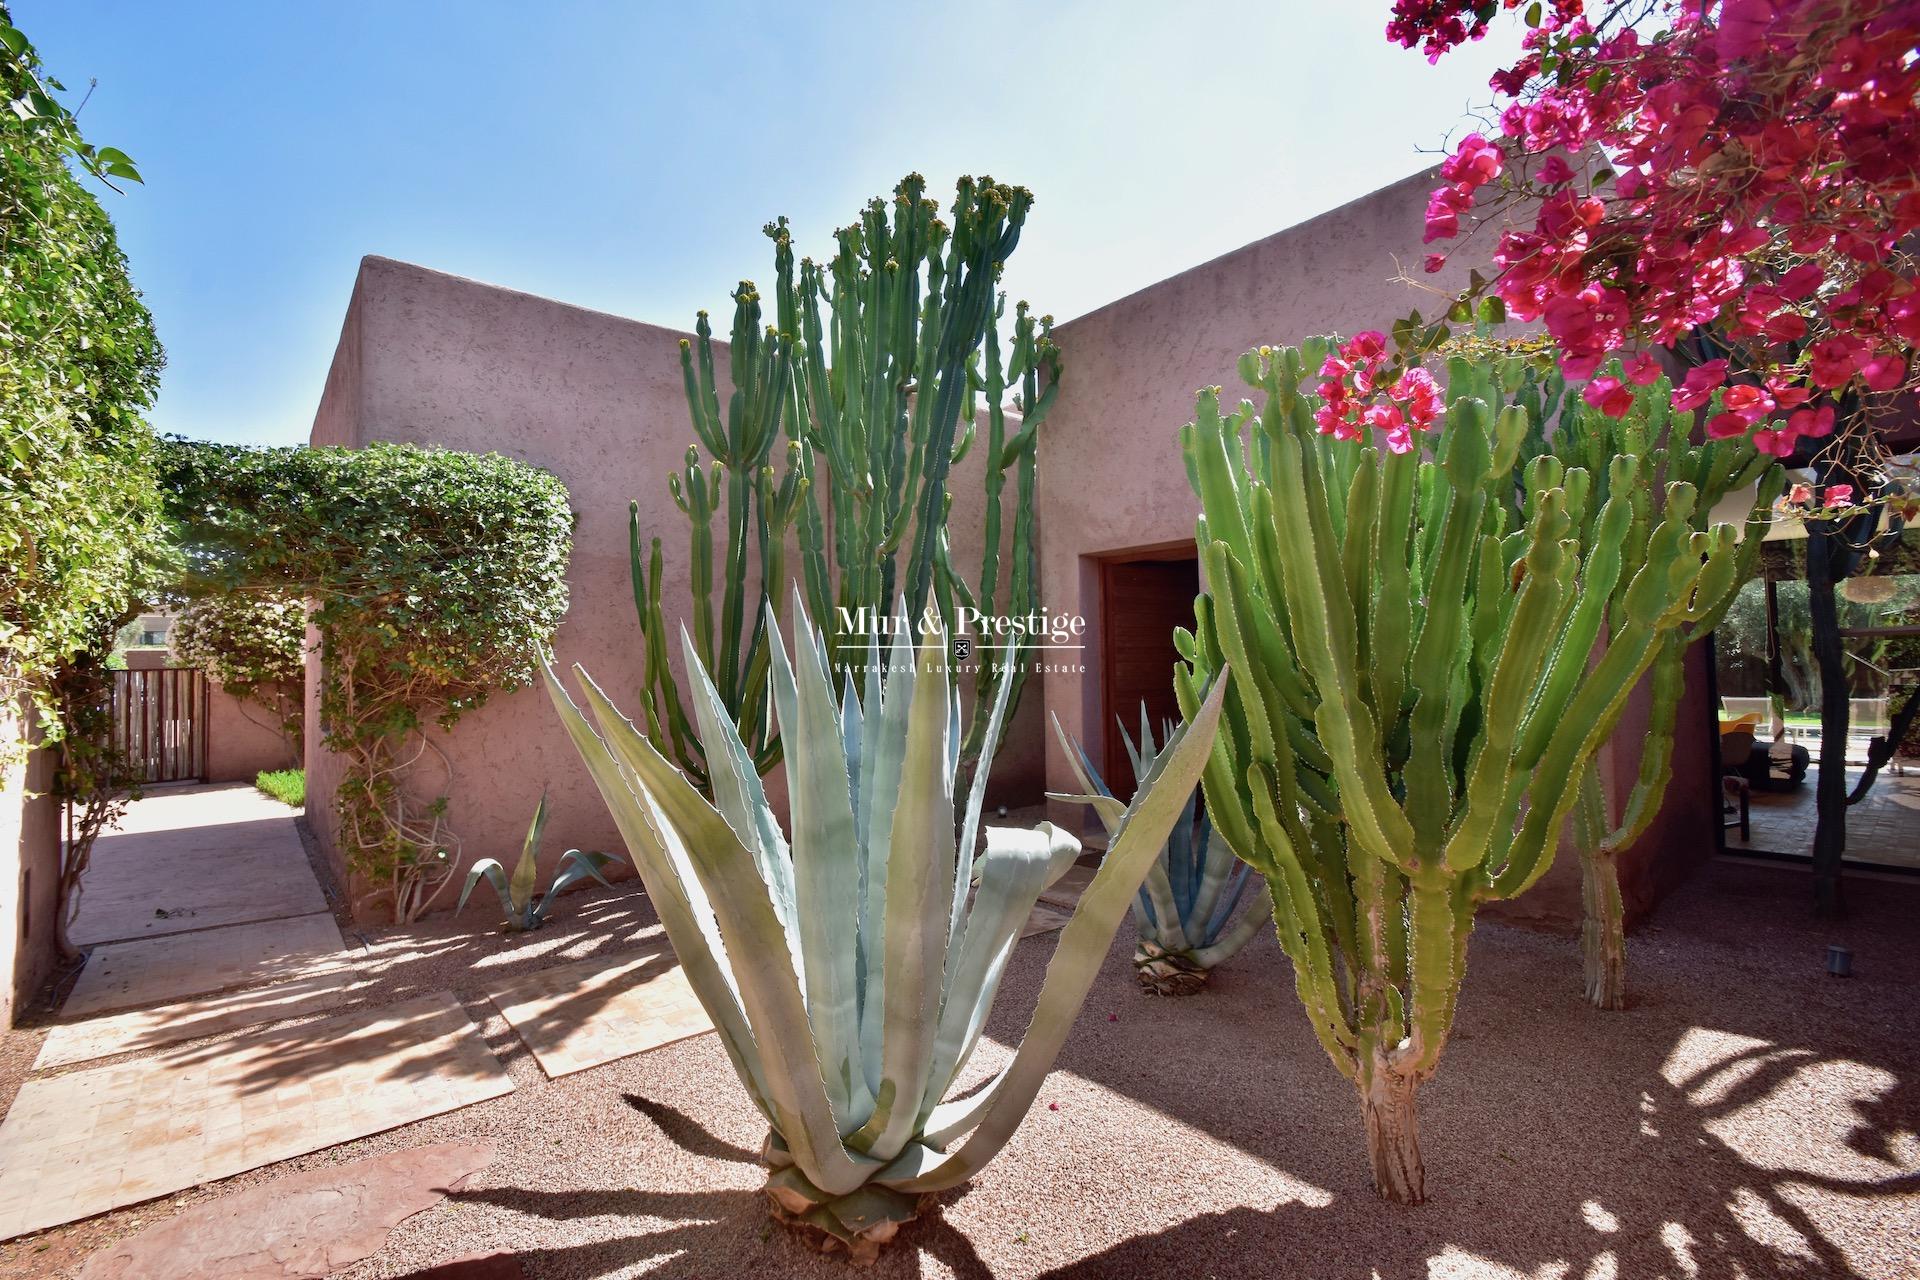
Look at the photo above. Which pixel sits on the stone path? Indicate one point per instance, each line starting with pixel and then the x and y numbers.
pixel 78 1144
pixel 192 858
pixel 124 975
pixel 580 1015
pixel 102 1037
pixel 294 1228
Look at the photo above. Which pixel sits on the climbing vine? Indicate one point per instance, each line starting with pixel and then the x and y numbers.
pixel 436 580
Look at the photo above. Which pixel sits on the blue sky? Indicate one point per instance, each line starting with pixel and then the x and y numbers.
pixel 624 156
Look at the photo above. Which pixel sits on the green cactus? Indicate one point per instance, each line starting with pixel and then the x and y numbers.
pixel 1183 910
pixel 1585 438
pixel 1413 700
pixel 850 969
pixel 873 368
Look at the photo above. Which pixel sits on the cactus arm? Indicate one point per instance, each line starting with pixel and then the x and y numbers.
pixel 989 1118
pixel 1522 653
pixel 675 893
pixel 1345 723
pixel 1391 611
pixel 826 867
pixel 1297 922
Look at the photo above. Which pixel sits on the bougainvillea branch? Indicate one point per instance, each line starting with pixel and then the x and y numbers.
pixel 1745 168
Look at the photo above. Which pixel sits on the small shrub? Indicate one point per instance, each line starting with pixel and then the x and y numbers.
pixel 288 786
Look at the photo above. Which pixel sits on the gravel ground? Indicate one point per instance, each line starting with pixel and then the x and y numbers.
pixel 1748 1117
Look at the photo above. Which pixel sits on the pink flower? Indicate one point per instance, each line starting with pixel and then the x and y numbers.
pixel 1365 345
pixel 1831 361
pixel 1575 368
pixel 1801 281
pixel 1555 171
pixel 1884 372
pixel 1433 262
pixel 1778 444
pixel 1750 402
pixel 1699 385
pixel 1609 395
pixel 1725 426
pixel 1839 495
pixel 1812 422
pixel 1643 370
pixel 1800 495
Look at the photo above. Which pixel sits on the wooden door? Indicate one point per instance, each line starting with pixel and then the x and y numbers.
pixel 1142 601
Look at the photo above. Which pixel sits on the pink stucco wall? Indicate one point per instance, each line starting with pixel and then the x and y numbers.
pixel 1111 477
pixel 30 836
pixel 429 358
pixel 241 740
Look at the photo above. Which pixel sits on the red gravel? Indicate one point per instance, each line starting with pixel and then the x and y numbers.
pixel 1748 1117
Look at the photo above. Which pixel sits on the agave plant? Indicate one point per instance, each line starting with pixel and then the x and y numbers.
pixel 850 966
pixel 1190 892
pixel 524 911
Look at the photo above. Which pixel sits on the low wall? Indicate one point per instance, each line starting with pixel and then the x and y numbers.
pixel 242 741
pixel 29 867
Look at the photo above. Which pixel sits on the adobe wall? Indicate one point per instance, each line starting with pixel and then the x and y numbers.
pixel 30 837
pixel 1112 479
pixel 433 359
pixel 241 740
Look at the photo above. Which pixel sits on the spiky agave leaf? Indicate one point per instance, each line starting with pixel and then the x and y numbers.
pixel 851 971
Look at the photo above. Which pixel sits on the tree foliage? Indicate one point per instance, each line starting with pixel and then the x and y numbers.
pixel 437 579
pixel 80 529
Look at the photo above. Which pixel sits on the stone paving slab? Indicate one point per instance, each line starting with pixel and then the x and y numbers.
pixel 1065 892
pixel 1045 919
pixel 194 859
pixel 104 1036
pixel 124 975
pixel 88 1141
pixel 303 1226
pixel 580 1015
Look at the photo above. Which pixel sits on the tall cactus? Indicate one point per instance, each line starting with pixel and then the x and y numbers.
pixel 1586 438
pixel 874 367
pixel 1412 702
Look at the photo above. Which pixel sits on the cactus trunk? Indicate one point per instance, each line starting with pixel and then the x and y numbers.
pixel 1586 438
pixel 1389 1105
pixel 1603 930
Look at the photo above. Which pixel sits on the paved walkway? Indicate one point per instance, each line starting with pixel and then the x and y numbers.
pixel 204 917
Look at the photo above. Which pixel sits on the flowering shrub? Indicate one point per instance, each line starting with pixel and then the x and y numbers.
pixel 1751 167
pixel 1356 399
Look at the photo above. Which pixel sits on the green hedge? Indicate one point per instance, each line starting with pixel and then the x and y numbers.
pixel 437 580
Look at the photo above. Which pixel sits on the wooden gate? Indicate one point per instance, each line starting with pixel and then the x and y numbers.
pixel 160 723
